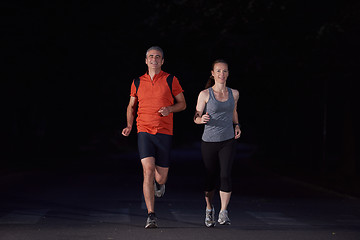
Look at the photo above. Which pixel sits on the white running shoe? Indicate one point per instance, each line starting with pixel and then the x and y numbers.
pixel 159 189
pixel 210 217
pixel 224 218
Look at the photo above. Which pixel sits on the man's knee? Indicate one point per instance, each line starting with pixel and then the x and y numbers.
pixel 148 165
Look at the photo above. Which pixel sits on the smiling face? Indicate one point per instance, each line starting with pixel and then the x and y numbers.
pixel 154 60
pixel 220 72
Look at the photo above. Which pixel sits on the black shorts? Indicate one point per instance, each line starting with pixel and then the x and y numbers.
pixel 157 146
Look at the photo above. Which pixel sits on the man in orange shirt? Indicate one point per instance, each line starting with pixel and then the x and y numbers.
pixel 153 97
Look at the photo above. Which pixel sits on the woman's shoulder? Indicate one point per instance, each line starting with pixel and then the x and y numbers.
pixel 204 94
pixel 235 92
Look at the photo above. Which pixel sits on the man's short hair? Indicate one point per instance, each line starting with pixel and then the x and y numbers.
pixel 157 48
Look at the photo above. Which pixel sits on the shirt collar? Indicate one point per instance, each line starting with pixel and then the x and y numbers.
pixel 161 73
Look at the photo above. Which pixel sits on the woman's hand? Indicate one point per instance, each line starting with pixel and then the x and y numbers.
pixel 205 118
pixel 237 132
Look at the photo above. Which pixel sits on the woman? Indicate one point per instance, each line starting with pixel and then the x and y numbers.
pixel 216 109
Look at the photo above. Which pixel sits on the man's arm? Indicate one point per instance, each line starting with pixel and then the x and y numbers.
pixel 130 115
pixel 179 105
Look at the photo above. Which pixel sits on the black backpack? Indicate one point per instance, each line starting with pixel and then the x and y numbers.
pixel 169 81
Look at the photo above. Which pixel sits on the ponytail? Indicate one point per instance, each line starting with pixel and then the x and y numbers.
pixel 210 82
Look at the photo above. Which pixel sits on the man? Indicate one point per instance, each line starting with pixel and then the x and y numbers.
pixel 153 96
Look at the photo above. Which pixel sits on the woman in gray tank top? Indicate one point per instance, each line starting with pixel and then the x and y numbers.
pixel 216 109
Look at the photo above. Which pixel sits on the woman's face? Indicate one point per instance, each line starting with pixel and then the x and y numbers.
pixel 220 72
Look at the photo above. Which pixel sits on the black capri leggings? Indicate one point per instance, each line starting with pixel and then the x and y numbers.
pixel 218 159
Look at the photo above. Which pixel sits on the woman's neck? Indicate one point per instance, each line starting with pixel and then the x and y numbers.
pixel 219 88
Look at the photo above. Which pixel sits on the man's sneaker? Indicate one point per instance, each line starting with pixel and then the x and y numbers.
pixel 224 218
pixel 151 221
pixel 159 189
pixel 210 217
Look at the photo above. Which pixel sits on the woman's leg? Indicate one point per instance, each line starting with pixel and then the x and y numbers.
pixel 226 156
pixel 225 199
pixel 210 159
pixel 209 196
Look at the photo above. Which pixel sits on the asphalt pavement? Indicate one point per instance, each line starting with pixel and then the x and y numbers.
pixel 105 202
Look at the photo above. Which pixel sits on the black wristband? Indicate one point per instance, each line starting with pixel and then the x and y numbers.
pixel 237 124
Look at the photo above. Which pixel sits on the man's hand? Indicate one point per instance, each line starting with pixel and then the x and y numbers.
pixel 126 131
pixel 164 111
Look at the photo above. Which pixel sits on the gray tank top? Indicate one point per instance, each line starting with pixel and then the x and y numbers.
pixel 220 127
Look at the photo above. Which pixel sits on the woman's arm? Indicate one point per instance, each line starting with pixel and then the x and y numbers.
pixel 199 117
pixel 235 114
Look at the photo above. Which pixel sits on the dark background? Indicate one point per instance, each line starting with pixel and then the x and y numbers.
pixel 67 67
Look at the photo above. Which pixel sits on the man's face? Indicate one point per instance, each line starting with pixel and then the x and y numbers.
pixel 154 59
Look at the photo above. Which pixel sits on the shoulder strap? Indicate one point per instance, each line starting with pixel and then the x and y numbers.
pixel 230 92
pixel 169 80
pixel 211 93
pixel 137 83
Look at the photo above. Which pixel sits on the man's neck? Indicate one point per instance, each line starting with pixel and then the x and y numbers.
pixel 153 72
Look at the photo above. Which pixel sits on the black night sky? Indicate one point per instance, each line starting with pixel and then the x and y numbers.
pixel 67 67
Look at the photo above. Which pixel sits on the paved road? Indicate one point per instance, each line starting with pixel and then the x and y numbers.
pixel 103 203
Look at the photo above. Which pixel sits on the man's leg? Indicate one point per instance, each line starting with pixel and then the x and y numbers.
pixel 161 174
pixel 163 145
pixel 148 164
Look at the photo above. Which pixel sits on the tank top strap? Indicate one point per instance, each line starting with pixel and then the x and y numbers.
pixel 211 93
pixel 230 93
pixel 212 96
